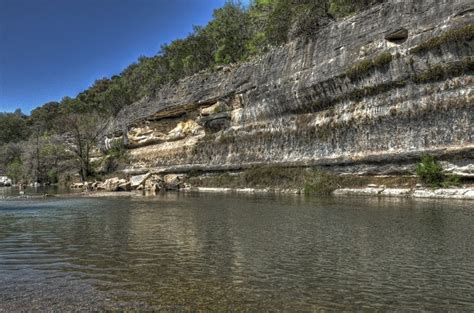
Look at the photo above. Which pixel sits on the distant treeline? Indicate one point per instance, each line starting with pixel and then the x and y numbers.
pixel 235 34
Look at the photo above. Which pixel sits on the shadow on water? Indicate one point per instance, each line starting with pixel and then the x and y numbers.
pixel 214 251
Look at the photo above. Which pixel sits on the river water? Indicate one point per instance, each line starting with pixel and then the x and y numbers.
pixel 228 252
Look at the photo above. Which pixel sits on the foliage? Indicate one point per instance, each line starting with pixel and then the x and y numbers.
pixel 116 156
pixel 367 65
pixel 59 136
pixel 320 183
pixel 83 132
pixel 341 8
pixel 430 171
pixel 15 171
pixel 229 31
pixel 13 127
pixel 451 180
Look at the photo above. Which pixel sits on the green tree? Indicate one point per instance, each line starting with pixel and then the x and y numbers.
pixel 229 32
pixel 15 171
pixel 13 127
pixel 46 115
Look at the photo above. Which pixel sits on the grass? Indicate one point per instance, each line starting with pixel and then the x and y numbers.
pixel 312 181
pixel 461 34
pixel 367 65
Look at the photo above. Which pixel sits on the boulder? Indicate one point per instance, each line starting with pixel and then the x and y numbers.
pixel 139 180
pixel 111 184
pixel 154 183
pixel 174 181
pixel 125 186
pixel 5 181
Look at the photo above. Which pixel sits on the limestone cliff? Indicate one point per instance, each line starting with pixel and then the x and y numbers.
pixel 368 94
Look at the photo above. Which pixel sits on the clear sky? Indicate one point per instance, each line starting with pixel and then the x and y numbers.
pixel 55 48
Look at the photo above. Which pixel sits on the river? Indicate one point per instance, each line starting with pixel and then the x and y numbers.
pixel 183 251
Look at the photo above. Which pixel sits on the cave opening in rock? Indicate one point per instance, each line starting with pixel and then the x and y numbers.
pixel 398 37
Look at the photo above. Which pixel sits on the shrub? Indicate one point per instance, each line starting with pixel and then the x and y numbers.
pixel 367 65
pixel 271 176
pixel 382 59
pixel 451 180
pixel 320 183
pixel 430 171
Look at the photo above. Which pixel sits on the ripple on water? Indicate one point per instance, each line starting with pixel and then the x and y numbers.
pixel 218 252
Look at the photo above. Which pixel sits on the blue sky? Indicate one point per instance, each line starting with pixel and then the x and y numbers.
pixel 55 48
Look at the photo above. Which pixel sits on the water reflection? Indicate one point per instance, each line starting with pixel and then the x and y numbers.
pixel 182 251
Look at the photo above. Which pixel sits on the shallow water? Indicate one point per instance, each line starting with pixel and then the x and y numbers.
pixel 221 252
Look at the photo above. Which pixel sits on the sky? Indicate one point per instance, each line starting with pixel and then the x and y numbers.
pixel 55 48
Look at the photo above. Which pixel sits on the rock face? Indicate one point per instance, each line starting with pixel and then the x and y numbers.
pixel 369 95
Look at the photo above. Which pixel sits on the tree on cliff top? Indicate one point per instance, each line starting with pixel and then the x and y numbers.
pixel 13 127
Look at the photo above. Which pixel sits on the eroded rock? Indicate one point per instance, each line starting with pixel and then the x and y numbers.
pixel 112 184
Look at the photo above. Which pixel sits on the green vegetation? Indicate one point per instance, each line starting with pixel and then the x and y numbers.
pixel 359 94
pixel 13 127
pixel 367 65
pixel 308 180
pixel 431 173
pixel 342 8
pixel 60 136
pixel 320 183
pixel 465 33
pixel 15 170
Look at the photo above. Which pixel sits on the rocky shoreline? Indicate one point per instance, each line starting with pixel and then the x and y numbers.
pixel 465 193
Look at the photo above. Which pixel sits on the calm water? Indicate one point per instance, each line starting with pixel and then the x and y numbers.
pixel 221 252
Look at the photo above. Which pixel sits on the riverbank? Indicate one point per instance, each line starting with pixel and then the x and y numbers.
pixel 464 193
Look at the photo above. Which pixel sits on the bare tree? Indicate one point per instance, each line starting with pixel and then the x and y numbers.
pixel 82 133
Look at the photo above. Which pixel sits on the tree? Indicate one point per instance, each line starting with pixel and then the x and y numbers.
pixel 9 153
pixel 82 132
pixel 13 127
pixel 15 171
pixel 279 22
pixel 46 115
pixel 229 32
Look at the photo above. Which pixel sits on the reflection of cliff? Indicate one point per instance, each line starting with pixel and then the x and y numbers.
pixel 226 251
pixel 383 86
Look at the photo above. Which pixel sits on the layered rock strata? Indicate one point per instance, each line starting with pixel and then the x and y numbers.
pixel 368 95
